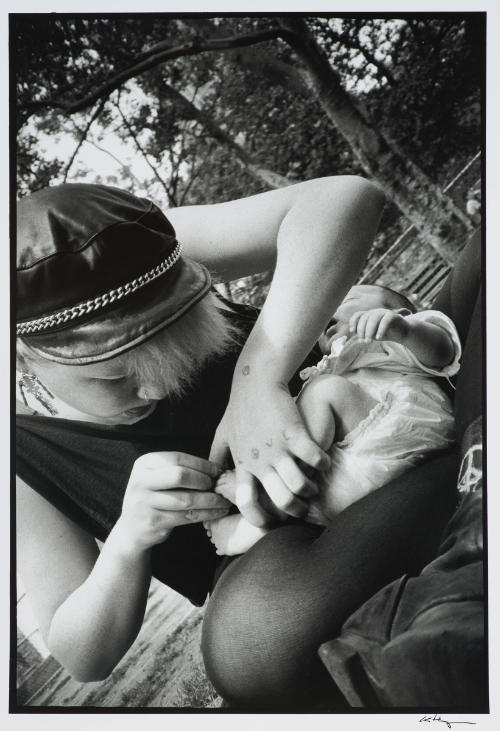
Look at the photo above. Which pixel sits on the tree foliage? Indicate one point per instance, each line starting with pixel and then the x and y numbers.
pixel 215 119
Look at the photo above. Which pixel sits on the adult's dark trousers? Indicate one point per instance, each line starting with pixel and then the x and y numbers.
pixel 274 606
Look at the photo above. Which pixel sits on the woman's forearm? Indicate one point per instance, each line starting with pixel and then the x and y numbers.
pixel 95 626
pixel 322 244
pixel 321 232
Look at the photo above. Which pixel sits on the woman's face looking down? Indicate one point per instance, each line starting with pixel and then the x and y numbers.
pixel 126 388
pixel 103 390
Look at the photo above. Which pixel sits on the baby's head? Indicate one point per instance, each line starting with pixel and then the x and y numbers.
pixel 363 297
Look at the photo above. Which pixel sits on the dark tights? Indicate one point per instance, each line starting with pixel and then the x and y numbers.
pixel 274 606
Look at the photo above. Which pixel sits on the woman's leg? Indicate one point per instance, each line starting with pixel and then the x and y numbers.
pixel 274 606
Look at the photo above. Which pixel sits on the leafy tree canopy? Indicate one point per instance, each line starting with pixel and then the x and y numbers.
pixel 214 117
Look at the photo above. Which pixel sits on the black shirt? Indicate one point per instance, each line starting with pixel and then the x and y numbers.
pixel 83 468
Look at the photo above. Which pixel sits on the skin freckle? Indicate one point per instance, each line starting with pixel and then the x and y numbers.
pixel 255 453
pixel 246 370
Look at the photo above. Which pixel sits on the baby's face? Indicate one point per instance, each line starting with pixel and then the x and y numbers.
pixel 359 298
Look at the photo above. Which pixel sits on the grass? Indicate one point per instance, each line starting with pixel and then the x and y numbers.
pixel 196 691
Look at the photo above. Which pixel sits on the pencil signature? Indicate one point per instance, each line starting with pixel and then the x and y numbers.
pixel 435 717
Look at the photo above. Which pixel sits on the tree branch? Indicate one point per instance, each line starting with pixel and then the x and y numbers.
pixel 261 173
pixel 275 70
pixel 132 133
pixel 357 45
pixel 83 137
pixel 195 173
pixel 149 59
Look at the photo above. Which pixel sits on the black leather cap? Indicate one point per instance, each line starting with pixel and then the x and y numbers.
pixel 98 272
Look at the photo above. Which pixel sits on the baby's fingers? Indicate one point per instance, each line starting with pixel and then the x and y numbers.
pixel 363 324
pixel 384 325
pixel 372 323
pixel 354 322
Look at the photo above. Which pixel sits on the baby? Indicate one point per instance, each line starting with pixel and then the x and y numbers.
pixel 372 403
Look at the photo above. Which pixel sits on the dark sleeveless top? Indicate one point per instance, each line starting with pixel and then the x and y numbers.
pixel 83 468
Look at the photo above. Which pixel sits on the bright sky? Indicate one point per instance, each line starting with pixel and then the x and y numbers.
pixel 108 157
pixel 104 152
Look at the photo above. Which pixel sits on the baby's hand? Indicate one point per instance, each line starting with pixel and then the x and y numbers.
pixel 379 324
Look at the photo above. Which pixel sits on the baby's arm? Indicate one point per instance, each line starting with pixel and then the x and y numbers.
pixel 429 342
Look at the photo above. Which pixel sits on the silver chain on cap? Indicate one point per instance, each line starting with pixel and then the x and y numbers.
pixel 57 318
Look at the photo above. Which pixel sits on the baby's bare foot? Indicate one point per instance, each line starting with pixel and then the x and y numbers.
pixel 226 485
pixel 233 534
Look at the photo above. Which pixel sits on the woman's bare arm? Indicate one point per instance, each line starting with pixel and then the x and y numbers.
pixel 318 234
pixel 240 237
pixel 90 605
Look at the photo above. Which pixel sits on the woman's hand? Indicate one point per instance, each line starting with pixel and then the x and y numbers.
pixel 316 235
pixel 90 605
pixel 167 489
pixel 264 432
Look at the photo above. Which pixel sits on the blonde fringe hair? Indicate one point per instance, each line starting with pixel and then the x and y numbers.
pixel 174 357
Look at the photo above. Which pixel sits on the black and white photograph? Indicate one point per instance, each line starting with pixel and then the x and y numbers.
pixel 249 379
